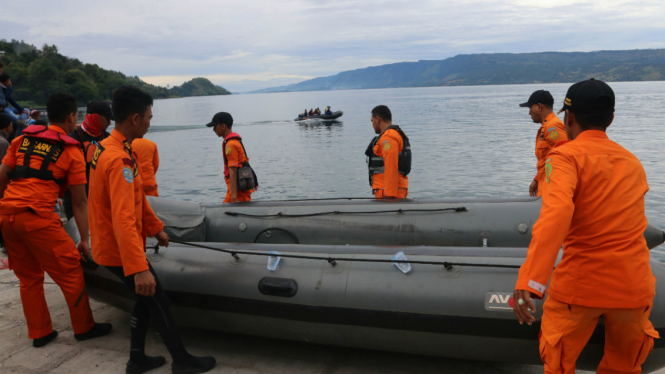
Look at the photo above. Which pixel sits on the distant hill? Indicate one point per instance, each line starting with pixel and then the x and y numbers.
pixel 199 87
pixel 38 73
pixel 499 68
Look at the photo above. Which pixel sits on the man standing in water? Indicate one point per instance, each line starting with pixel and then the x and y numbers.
pixel 234 157
pixel 593 204
pixel 551 132
pixel 388 157
pixel 120 216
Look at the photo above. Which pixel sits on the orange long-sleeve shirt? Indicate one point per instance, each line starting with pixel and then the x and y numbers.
pixel 593 204
pixel 117 208
pixel 388 147
pixel 550 133
pixel 41 195
pixel 148 159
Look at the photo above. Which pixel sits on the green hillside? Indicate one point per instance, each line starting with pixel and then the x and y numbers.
pixel 38 73
pixel 499 68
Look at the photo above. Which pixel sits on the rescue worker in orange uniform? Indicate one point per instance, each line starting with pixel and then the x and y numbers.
pixel 39 165
pixel 550 133
pixel 388 157
pixel 593 204
pixel 90 132
pixel 235 157
pixel 120 220
pixel 148 159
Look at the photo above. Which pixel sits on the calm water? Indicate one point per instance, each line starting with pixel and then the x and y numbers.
pixel 468 142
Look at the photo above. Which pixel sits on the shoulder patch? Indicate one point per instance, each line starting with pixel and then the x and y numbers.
pixel 548 170
pixel 128 162
pixel 227 150
pixel 95 156
pixel 386 146
pixel 554 135
pixel 551 128
pixel 128 174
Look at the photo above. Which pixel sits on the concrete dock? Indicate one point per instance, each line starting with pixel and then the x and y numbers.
pixel 234 353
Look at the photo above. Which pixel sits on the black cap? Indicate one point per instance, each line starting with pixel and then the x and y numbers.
pixel 589 97
pixel 539 97
pixel 221 118
pixel 102 108
pixel 5 120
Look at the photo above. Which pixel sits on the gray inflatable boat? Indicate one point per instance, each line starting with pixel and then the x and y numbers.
pixel 334 281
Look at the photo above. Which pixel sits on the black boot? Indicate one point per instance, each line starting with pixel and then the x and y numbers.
pixel 40 342
pixel 99 329
pixel 194 365
pixel 147 363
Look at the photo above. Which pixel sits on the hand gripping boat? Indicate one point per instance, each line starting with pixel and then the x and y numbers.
pixel 334 281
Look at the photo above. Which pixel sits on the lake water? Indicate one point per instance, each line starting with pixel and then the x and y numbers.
pixel 467 142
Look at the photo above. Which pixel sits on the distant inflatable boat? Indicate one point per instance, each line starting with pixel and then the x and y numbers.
pixel 324 117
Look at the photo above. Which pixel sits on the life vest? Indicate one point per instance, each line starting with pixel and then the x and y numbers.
pixel 375 164
pixel 45 143
pixel 88 147
pixel 244 169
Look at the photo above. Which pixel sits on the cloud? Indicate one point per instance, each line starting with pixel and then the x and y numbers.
pixel 260 43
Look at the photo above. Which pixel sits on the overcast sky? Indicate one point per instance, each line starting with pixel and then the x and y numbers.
pixel 251 44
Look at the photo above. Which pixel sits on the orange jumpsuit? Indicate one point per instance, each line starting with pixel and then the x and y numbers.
pixel 148 159
pixel 550 133
pixel 36 241
pixel 120 216
pixel 390 183
pixel 235 156
pixel 593 204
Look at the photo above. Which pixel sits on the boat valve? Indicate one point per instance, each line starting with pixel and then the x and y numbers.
pixel 332 261
pixel 156 249
pixel 235 255
pixel 448 266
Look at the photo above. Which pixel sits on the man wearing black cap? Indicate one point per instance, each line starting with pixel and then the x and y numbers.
pixel 6 128
pixel 550 133
pixel 92 130
pixel 593 205
pixel 239 187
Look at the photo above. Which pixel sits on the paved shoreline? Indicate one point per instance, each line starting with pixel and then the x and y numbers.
pixel 234 353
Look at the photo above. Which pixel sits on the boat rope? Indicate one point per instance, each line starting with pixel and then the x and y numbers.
pixel 333 260
pixel 284 215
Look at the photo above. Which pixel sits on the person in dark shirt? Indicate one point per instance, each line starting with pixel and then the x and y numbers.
pixel 92 131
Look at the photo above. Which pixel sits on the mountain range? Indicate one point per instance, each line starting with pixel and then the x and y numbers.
pixel 495 69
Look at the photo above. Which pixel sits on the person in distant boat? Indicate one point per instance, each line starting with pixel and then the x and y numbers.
pixel 551 132
pixel 304 113
pixel 593 205
pixel 311 112
pixel 328 111
pixel 120 220
pixel 90 132
pixel 317 111
pixel 147 156
pixel 388 157
pixel 235 158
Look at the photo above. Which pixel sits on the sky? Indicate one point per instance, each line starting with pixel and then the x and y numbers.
pixel 253 44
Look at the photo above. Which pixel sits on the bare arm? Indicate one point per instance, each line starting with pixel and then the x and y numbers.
pixel 4 169
pixel 80 208
pixel 233 182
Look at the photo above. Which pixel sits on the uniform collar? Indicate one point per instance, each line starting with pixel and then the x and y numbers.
pixel 57 128
pixel 549 117
pixel 592 134
pixel 118 136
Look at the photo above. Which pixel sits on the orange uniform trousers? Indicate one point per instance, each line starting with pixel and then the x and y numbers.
pixel 151 191
pixel 566 329
pixel 380 193
pixel 34 245
pixel 240 195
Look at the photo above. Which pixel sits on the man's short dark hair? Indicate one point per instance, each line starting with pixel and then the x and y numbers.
pixel 130 100
pixel 59 106
pixel 4 77
pixel 598 120
pixel 382 112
